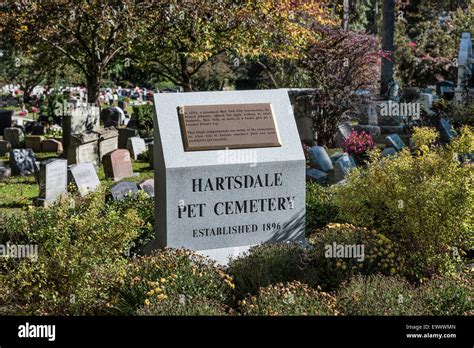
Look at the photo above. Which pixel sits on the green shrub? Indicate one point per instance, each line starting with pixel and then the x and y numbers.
pixel 167 274
pixel 293 298
pixel 143 115
pixel 183 306
pixel 144 206
pixel 320 209
pixel 423 203
pixel 448 295
pixel 81 247
pixel 378 295
pixel 269 264
pixel 377 256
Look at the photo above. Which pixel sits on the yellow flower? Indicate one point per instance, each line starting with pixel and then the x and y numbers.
pixel 157 289
pixel 151 292
pixel 147 302
pixel 162 297
pixel 163 280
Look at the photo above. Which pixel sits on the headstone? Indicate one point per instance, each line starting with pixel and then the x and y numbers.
pixel 112 117
pixel 4 147
pixel 22 162
pixel 316 175
pixel 343 166
pixel 52 180
pixel 15 136
pixel 51 145
pixel 123 190
pixel 445 89
pixel 118 165
pixel 5 119
pixel 124 134
pixel 426 100
pixel 374 131
pixel 231 171
pixel 37 129
pixel 148 186
pixel 319 158
pixel 5 173
pixel 335 156
pixel 136 146
pixel 394 140
pixel 343 132
pixel 84 177
pixel 34 142
pixel 108 141
pixel 81 119
pixel 84 148
pixel 389 151
pixel 373 119
pixel 447 133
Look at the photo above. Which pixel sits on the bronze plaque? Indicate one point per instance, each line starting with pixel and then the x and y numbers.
pixel 233 126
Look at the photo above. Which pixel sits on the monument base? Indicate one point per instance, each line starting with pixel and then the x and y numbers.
pixel 223 255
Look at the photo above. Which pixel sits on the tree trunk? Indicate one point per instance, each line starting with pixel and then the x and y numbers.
pixel 93 86
pixel 388 30
pixel 185 76
pixel 345 15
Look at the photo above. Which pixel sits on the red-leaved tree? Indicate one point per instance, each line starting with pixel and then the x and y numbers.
pixel 338 65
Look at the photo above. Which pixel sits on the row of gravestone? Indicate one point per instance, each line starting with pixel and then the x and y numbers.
pixel 117 164
pixel 13 138
pixel 53 176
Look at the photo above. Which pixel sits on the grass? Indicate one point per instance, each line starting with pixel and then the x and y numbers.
pixel 19 192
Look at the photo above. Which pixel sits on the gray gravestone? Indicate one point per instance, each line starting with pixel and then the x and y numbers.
pixel 343 166
pixel 343 132
pixel 316 175
pixel 319 159
pixel 80 120
pixel 5 119
pixel 108 141
pixel 84 148
pixel 15 136
pixel 136 146
pixel 22 162
pixel 148 186
pixel 84 177
pixel 394 140
pixel 388 151
pixel 124 134
pixel 123 190
pixel 4 147
pixel 5 173
pixel 208 200
pixel 52 180
pixel 447 133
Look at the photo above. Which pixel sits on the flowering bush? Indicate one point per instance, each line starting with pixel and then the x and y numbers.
pixel 293 298
pixel 423 203
pixel 170 274
pixel 449 295
pixel 320 209
pixel 370 252
pixel 81 254
pixel 268 264
pixel 184 306
pixel 357 144
pixel 378 295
